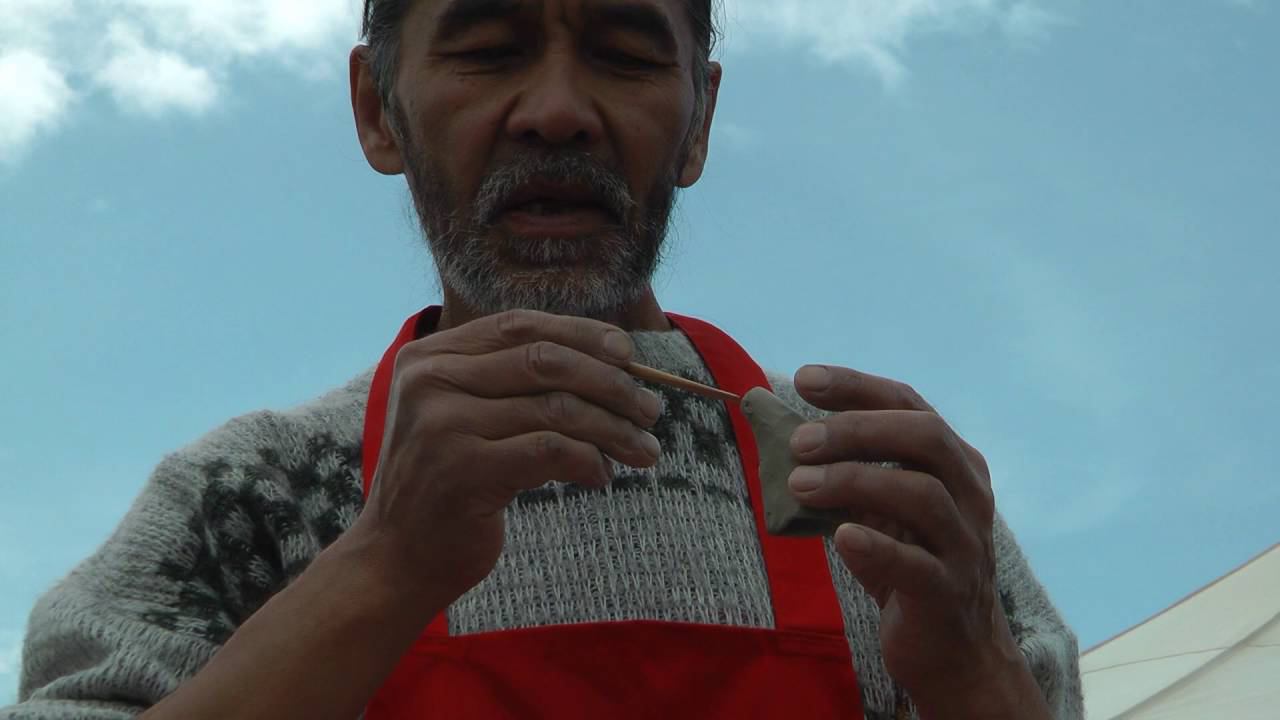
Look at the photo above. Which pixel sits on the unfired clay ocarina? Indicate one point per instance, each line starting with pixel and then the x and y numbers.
pixel 772 422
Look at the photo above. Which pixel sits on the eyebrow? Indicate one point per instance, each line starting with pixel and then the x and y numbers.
pixel 638 17
pixel 641 18
pixel 462 15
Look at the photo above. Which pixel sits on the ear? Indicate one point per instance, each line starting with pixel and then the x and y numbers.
pixel 373 124
pixel 697 158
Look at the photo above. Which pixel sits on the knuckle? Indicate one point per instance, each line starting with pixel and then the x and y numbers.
pixel 515 325
pixel 404 358
pixel 986 505
pixel 939 581
pixel 409 363
pixel 542 358
pixel 928 492
pixel 558 407
pixel 940 436
pixel 434 370
pixel 549 447
pixel 909 398
pixel 979 460
pixel 429 367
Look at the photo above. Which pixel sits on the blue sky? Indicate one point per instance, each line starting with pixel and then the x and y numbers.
pixel 1058 221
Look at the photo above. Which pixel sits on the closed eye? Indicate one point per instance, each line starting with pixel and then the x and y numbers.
pixel 625 60
pixel 495 54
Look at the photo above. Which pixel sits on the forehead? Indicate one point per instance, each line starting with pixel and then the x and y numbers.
pixel 674 11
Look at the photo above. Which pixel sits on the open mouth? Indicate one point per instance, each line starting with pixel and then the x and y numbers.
pixel 547 200
pixel 555 206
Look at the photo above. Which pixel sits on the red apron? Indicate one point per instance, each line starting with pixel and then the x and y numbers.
pixel 638 669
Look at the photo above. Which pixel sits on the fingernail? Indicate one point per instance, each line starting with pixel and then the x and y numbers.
pixel 607 464
pixel 853 539
pixel 650 404
pixel 617 345
pixel 650 444
pixel 814 377
pixel 807 478
pixel 809 437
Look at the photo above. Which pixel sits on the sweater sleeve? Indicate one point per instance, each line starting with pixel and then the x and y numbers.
pixel 127 625
pixel 218 528
pixel 1048 644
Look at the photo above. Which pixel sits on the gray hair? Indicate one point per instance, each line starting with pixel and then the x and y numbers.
pixel 384 18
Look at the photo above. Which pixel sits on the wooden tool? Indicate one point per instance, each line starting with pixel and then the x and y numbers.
pixel 657 376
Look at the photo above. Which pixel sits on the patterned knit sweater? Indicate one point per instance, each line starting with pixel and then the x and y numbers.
pixel 231 519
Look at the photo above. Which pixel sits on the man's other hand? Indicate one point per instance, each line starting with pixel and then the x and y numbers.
pixel 923 546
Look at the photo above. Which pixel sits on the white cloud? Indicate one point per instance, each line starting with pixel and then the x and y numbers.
pixel 151 81
pixel 36 95
pixel 230 29
pixel 1027 23
pixel 159 56
pixel 32 22
pixel 152 57
pixel 873 34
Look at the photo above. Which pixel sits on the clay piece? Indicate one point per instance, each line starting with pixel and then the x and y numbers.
pixel 772 423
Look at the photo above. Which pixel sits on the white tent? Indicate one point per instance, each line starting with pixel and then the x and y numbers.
pixel 1215 654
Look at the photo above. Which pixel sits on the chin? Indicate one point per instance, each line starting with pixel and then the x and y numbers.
pixel 518 253
pixel 591 276
pixel 557 290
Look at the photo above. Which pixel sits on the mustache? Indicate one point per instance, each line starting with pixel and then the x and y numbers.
pixel 606 186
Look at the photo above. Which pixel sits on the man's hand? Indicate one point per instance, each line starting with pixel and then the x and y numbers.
pixel 479 413
pixel 923 548
pixel 475 415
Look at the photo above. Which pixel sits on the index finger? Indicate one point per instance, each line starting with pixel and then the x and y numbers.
pixel 838 389
pixel 514 328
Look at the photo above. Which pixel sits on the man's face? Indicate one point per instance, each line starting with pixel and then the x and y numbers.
pixel 543 141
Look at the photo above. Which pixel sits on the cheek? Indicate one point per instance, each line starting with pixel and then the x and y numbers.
pixel 651 140
pixel 456 130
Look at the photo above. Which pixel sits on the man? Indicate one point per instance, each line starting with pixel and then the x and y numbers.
pixel 527 547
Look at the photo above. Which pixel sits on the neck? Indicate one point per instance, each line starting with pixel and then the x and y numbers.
pixel 643 314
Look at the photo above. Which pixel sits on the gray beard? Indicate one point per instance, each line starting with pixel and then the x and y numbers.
pixel 552 277
pixel 492 271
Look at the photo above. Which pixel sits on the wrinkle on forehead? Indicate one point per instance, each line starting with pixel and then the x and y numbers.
pixel 567 12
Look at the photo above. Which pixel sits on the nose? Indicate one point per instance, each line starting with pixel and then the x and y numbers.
pixel 555 107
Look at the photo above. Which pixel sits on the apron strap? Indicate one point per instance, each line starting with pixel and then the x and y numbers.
pixel 375 412
pixel 803 596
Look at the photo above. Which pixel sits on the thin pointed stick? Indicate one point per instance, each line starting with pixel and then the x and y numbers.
pixel 657 376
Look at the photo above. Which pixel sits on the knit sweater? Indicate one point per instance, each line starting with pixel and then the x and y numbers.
pixel 226 522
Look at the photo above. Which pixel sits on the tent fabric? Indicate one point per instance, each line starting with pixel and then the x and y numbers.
pixel 1214 654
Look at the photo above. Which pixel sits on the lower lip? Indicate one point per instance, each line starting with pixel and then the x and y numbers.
pixel 563 224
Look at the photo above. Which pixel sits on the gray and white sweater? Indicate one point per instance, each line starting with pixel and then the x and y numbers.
pixel 231 519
